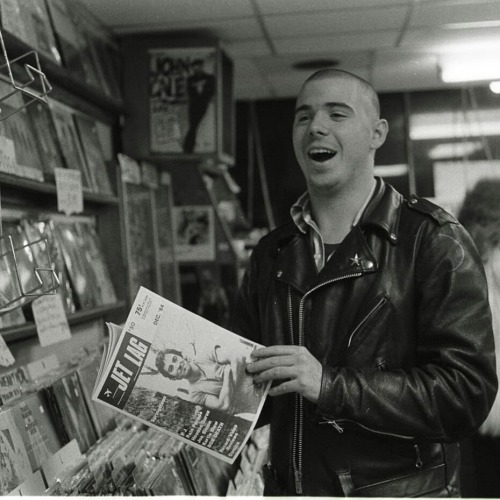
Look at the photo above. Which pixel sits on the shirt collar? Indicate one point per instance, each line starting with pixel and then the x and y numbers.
pixel 301 210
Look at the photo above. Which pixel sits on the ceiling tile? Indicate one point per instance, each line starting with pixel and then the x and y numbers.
pixel 298 25
pixel 290 6
pixel 131 12
pixel 442 13
pixel 350 42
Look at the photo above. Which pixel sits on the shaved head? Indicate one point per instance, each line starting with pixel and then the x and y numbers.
pixel 367 90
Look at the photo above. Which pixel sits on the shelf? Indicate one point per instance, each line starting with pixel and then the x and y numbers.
pixel 22 183
pixel 58 75
pixel 22 332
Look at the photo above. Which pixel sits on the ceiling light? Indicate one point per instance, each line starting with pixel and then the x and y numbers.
pixel 495 87
pixel 470 70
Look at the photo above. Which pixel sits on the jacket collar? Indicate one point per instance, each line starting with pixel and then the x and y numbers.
pixel 353 257
pixel 384 210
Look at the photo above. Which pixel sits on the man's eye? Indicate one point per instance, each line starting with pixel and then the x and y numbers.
pixel 302 118
pixel 337 115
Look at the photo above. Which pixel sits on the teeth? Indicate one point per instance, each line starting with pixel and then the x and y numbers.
pixel 321 150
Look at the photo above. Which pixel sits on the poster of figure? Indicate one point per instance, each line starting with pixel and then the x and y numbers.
pixel 182 111
pixel 194 233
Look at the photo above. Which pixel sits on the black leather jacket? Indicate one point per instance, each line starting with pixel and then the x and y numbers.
pixel 399 319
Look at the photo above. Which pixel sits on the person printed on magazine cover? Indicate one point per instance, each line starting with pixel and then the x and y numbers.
pixel 217 378
pixel 375 314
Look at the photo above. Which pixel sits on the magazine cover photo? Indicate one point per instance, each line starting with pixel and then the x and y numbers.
pixel 178 372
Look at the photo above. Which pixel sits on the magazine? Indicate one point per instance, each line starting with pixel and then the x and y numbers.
pixel 182 374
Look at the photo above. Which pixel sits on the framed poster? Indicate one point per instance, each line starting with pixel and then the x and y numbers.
pixel 194 233
pixel 182 100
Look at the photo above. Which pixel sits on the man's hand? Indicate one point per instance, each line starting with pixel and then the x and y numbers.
pixel 299 370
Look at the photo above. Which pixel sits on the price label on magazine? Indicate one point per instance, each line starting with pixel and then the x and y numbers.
pixel 69 190
pixel 50 319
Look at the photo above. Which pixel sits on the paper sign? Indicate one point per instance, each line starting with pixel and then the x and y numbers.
pixel 69 190
pixel 6 358
pixel 7 155
pixel 50 319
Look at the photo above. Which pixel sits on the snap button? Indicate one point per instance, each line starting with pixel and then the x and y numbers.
pixel 369 264
pixel 393 238
pixel 413 201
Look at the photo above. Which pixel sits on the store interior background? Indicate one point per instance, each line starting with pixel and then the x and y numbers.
pixel 443 135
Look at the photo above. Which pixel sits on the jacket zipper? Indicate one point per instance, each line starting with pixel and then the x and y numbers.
pixel 340 430
pixel 375 308
pixel 299 401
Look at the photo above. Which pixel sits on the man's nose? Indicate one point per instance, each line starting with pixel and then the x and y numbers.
pixel 319 123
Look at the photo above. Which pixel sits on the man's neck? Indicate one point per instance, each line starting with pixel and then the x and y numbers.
pixel 336 215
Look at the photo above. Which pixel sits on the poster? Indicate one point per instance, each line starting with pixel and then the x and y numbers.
pixel 182 94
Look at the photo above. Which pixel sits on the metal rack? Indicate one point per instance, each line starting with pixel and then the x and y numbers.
pixel 35 76
pixel 44 279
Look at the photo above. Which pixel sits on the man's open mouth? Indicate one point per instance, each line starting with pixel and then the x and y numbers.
pixel 321 154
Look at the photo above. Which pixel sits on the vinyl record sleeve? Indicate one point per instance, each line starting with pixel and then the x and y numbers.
pixel 69 142
pixel 67 406
pixel 90 244
pixel 93 153
pixel 15 466
pixel 17 128
pixel 102 416
pixel 61 15
pixel 79 269
pixel 37 429
pixel 46 135
pixel 45 229
pixel 39 32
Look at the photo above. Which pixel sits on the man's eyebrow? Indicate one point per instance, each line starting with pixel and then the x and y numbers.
pixel 333 104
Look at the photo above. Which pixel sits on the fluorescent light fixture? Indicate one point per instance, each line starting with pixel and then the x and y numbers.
pixel 471 71
pixel 495 87
pixel 454 149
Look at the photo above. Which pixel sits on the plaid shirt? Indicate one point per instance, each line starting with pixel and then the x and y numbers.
pixel 302 217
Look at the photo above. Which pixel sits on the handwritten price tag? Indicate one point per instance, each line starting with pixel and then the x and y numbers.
pixel 69 190
pixel 7 155
pixel 50 319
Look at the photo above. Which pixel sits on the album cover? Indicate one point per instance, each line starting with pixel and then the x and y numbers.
pixel 169 270
pixel 102 416
pixel 139 237
pixel 38 432
pixel 90 244
pixel 61 14
pixel 17 130
pixel 25 260
pixel 39 32
pixel 68 409
pixel 69 142
pixel 15 466
pixel 79 268
pixel 46 229
pixel 50 150
pixel 93 153
pixel 194 233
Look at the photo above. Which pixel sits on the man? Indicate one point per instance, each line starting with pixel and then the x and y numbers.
pixel 376 315
pixel 217 379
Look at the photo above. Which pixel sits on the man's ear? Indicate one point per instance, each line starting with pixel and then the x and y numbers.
pixel 380 131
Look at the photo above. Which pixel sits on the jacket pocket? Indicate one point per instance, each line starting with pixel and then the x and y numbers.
pixel 362 329
pixel 429 482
